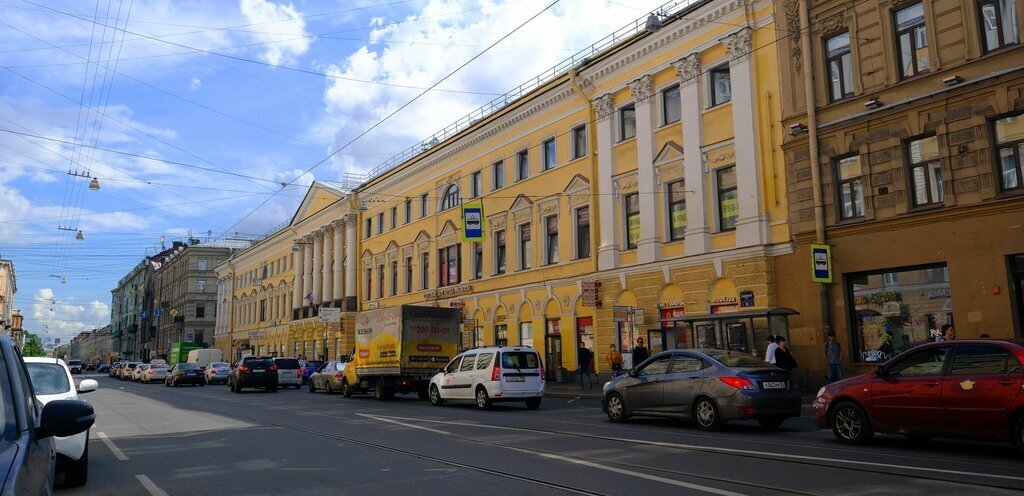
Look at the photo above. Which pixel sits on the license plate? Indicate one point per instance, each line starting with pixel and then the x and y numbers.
pixel 515 379
pixel 773 385
pixel 259 371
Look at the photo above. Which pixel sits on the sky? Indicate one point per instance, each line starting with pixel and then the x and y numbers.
pixel 212 117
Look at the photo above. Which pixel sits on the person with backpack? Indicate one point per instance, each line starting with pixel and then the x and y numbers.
pixel 783 357
pixel 614 360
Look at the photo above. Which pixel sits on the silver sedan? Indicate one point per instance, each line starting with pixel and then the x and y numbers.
pixel 708 386
pixel 217 372
pixel 328 377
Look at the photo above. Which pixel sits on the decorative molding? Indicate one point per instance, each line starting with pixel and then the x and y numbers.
pixel 351 219
pixel 604 106
pixel 338 224
pixel 792 8
pixel 642 89
pixel 688 68
pixel 738 44
pixel 722 157
pixel 832 23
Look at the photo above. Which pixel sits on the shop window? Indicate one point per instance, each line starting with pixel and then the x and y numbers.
pixel 579 141
pixel 912 40
pixel 551 240
pixel 850 182
pixel 526 333
pixel 677 210
pixel 998 23
pixel 925 170
pixel 550 158
pixel 449 262
pixel 583 232
pixel 721 85
pixel 499 252
pixel 728 198
pixel 632 215
pixel 627 122
pixel 896 309
pixel 839 64
pixel 501 335
pixel 1009 136
pixel 671 108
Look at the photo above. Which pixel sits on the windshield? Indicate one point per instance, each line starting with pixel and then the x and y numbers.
pixel 188 366
pixel 48 378
pixel 220 365
pixel 737 359
pixel 287 363
pixel 519 360
pixel 74 362
pixel 258 362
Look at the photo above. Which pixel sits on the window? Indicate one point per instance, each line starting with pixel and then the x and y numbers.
pixel 380 280
pixel 501 335
pixel 424 270
pixel 522 165
pixel 468 363
pixel 368 276
pixel 657 366
pixel 984 359
pixel 201 310
pixel 583 232
pixel 525 339
pixel 498 169
pixel 728 199
pixel 483 361
pixel 685 363
pixel 839 64
pixel 551 239
pixel 449 262
pixel 408 274
pixel 670 105
pixel 721 85
pixel 451 197
pixel 380 223
pixel 201 264
pixel 549 154
pixel 912 40
pixel 200 286
pixel 394 217
pixel 369 227
pixel 476 187
pixel 478 260
pixel 524 246
pixel 928 362
pixel 499 252
pixel 627 122
pixel 998 23
pixel 677 210
pixel 424 205
pixel 408 210
pixel 579 141
pixel 263 311
pixel 925 170
pixel 850 181
pixel 1009 133
pixel 394 278
pixel 632 220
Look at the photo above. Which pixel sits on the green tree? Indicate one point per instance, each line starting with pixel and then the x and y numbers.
pixel 33 346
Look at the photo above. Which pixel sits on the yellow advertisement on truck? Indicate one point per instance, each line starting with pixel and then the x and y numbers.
pixel 399 349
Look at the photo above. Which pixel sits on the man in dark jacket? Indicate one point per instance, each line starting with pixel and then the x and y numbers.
pixel 583 358
pixel 640 352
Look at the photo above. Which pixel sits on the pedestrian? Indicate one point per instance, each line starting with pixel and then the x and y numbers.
pixel 769 354
pixel 783 358
pixel 833 358
pixel 640 352
pixel 614 360
pixel 948 333
pixel 583 359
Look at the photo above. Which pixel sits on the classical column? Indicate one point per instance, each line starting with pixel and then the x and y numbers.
pixel 751 225
pixel 328 270
pixel 318 246
pixel 608 248
pixel 300 275
pixel 307 266
pixel 351 231
pixel 697 235
pixel 336 260
pixel 649 244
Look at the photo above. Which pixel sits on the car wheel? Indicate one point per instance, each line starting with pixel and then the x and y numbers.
pixel 706 413
pixel 379 391
pixel 850 423
pixel 422 394
pixel 346 391
pixel 435 396
pixel 76 472
pixel 483 401
pixel 273 389
pixel 312 388
pixel 330 388
pixel 771 423
pixel 615 407
pixel 533 403
pixel 238 388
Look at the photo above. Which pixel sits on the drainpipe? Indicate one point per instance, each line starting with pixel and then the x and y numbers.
pixel 812 138
pixel 595 227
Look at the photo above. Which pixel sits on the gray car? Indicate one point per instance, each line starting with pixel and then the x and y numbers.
pixel 710 387
pixel 328 377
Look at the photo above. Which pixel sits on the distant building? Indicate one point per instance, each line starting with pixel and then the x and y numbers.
pixel 132 313
pixel 7 289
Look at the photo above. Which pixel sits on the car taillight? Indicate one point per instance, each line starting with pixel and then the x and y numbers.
pixel 738 382
pixel 543 377
pixel 338 376
pixel 150 372
pixel 243 367
pixel 496 373
pixel 273 368
pixel 298 373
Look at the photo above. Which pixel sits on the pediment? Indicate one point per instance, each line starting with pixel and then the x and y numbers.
pixel 448 229
pixel 318 197
pixel 671 152
pixel 392 247
pixel 577 184
pixel 521 202
pixel 421 237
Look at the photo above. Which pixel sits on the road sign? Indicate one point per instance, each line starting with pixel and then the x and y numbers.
pixel 158 312
pixel 189 337
pixel 143 314
pixel 174 312
pixel 821 263
pixel 330 315
pixel 473 222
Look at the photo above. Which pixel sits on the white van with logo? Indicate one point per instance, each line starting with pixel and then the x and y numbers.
pixel 488 375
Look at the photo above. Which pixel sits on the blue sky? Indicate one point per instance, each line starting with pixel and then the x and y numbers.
pixel 192 113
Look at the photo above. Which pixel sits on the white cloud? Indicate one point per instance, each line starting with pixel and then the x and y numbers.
pixel 55 318
pixel 280 26
pixel 195 83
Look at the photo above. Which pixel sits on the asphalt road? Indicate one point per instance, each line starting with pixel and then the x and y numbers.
pixel 152 440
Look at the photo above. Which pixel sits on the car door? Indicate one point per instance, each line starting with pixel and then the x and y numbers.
pixel 448 385
pixel 40 455
pixel 646 392
pixel 464 377
pixel 981 388
pixel 682 382
pixel 909 394
pixel 319 376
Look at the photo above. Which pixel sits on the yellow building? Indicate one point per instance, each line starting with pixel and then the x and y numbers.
pixel 651 167
pixel 269 294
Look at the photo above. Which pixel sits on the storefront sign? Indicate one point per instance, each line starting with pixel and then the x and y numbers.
pixel 724 300
pixel 621 314
pixel 668 315
pixel 373 304
pixel 590 294
pixel 821 263
pixel 473 222
pixel 451 291
pixel 746 298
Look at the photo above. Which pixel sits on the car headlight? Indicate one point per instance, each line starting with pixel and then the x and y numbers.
pixel 821 392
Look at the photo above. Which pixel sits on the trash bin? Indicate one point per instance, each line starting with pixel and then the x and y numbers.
pixel 560 374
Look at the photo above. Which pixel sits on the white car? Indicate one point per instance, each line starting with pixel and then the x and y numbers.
pixel 487 375
pixel 289 372
pixel 217 372
pixel 137 372
pixel 154 372
pixel 51 380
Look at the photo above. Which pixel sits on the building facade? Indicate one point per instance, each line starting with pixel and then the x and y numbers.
pixel 8 287
pixel 130 307
pixel 95 346
pixel 917 183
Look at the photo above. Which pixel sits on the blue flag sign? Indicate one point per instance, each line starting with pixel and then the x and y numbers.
pixel 821 263
pixel 158 312
pixel 143 314
pixel 473 222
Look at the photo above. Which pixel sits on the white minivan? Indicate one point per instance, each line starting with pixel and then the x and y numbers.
pixel 487 375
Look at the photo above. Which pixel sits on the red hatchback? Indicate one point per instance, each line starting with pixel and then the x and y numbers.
pixel 967 389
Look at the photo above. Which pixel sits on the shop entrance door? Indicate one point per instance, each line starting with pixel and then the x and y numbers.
pixel 553 348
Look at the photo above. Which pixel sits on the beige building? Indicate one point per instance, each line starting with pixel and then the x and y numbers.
pixel 8 287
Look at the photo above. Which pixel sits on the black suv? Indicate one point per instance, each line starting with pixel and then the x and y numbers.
pixel 253 371
pixel 27 429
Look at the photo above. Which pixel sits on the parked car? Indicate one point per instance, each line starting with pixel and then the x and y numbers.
pixel 289 372
pixel 966 389
pixel 139 371
pixel 329 377
pixel 29 429
pixel 90 367
pixel 185 373
pixel 253 371
pixel 103 368
pixel 308 367
pixel 217 372
pixel 708 386
pixel 154 372
pixel 128 370
pixel 487 375
pixel 115 369
pixel 51 380
pixel 75 366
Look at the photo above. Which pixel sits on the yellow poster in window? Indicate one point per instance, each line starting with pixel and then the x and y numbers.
pixel 730 207
pixel 633 230
pixel 679 219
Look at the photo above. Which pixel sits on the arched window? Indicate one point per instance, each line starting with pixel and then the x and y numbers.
pixel 451 197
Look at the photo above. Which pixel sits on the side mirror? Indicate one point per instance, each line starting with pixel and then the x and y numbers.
pixel 632 372
pixel 64 418
pixel 87 386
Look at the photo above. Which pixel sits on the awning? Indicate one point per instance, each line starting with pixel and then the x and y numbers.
pixel 734 315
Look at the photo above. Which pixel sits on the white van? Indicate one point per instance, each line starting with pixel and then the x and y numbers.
pixel 205 357
pixel 487 375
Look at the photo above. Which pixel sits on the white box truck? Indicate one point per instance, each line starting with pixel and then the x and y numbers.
pixel 204 357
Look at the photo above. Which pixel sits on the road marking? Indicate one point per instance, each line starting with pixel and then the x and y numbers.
pixel 655 478
pixel 404 424
pixel 110 445
pixel 150 486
